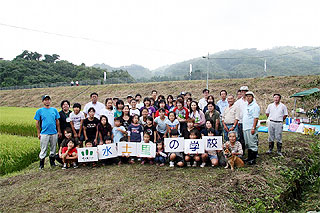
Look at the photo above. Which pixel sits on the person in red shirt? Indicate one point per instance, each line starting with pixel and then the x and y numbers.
pixel 162 104
pixel 69 155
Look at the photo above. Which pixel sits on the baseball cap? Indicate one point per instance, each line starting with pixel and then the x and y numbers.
pixel 182 93
pixel 45 96
pixel 250 93
pixel 129 96
pixel 244 88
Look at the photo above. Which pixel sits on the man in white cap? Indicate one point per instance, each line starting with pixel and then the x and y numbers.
pixel 250 132
pixel 277 113
pixel 241 104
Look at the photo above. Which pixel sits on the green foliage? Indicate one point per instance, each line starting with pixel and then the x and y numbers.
pixel 18 121
pixel 27 69
pixel 301 63
pixel 17 152
pixel 302 180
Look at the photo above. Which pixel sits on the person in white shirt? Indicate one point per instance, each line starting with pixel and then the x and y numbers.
pixel 134 110
pixel 277 113
pixel 138 100
pixel 108 111
pixel 223 103
pixel 203 101
pixel 98 106
pixel 241 104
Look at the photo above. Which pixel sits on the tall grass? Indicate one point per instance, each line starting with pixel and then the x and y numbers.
pixel 18 121
pixel 17 152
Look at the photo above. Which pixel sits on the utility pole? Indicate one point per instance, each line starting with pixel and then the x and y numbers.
pixel 207 57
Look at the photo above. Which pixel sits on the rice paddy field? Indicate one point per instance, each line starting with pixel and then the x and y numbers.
pixel 18 121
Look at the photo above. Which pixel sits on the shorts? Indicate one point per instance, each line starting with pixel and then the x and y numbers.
pixel 213 157
pixel 179 156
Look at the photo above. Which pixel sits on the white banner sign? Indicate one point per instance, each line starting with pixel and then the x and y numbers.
pixel 194 146
pixel 174 144
pixel 146 150
pixel 87 154
pixel 127 148
pixel 213 142
pixel 107 151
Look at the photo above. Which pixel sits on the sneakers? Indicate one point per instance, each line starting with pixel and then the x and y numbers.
pixel 171 164
pixel 203 165
pixel 162 164
pixel 75 165
pixel 188 164
pixel 142 162
pixel 64 166
pixel 194 164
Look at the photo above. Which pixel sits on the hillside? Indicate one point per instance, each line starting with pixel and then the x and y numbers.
pixel 136 71
pixel 264 88
pixel 280 62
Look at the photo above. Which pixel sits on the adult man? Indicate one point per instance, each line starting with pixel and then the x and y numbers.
pixel 203 101
pixel 250 132
pixel 277 113
pixel 223 103
pixel 48 118
pixel 64 118
pixel 154 94
pixel 139 102
pixel 95 104
pixel 230 117
pixel 241 104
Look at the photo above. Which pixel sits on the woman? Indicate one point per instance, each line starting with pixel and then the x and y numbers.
pixel 211 99
pixel 197 115
pixel 214 115
pixel 170 105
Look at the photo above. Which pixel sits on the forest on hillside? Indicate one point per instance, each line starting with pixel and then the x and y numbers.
pixel 32 68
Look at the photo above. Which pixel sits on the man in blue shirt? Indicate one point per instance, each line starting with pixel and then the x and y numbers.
pixel 250 120
pixel 48 129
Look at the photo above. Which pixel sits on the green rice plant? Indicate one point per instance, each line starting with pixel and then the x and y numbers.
pixel 17 152
pixel 18 121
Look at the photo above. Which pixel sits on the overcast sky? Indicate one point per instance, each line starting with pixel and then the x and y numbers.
pixel 153 33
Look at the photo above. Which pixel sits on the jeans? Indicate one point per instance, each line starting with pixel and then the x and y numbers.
pixel 225 133
pixel 44 142
pixel 160 159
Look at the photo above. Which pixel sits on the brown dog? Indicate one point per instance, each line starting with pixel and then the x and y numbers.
pixel 232 160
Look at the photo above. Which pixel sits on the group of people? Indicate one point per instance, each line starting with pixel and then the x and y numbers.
pixel 154 118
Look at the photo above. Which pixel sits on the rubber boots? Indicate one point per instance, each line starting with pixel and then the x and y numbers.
pixel 279 146
pixel 41 163
pixel 271 145
pixel 52 159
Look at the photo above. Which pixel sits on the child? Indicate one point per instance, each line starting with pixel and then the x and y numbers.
pixel 146 139
pixel 126 118
pixel 134 110
pixel 161 124
pixel 105 129
pixel 162 104
pixel 170 103
pixel 176 156
pixel 89 143
pixel 212 155
pixel 182 114
pixel 160 158
pixel 151 129
pixel 90 127
pixel 209 124
pixel 108 111
pixel 149 107
pixel 172 122
pixel 144 115
pixel 118 131
pixel 64 143
pixel 190 126
pixel 69 154
pixel 135 133
pixel 119 108
pixel 76 121
pixel 194 134
pixel 135 130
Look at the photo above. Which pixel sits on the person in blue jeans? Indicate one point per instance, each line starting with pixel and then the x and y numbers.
pixel 161 156
pixel 48 130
